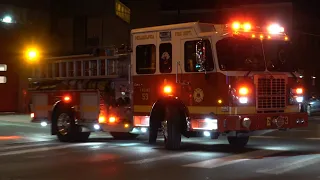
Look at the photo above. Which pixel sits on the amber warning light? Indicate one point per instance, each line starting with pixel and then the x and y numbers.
pixel 271 31
pixel 167 90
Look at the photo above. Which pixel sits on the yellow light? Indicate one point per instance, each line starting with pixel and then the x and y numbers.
pixel 253 35
pixel 299 90
pixel 102 119
pixel 167 89
pixel 247 27
pixel 286 38
pixel 269 37
pixel 32 54
pixel 126 125
pixel 261 36
pixel 236 25
pixel 112 119
pixel 219 101
pixel 243 91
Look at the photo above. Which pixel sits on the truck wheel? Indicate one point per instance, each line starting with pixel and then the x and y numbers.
pixel 66 128
pixel 123 135
pixel 171 130
pixel 238 141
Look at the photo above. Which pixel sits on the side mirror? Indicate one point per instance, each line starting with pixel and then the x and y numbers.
pixel 201 55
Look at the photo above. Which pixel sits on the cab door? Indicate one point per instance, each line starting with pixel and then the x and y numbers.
pixel 144 70
pixel 200 86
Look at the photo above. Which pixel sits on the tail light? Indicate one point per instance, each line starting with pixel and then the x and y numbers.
pixel 112 119
pixel 102 119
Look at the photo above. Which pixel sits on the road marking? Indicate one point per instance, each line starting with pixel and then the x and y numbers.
pixel 286 167
pixel 218 162
pixel 46 149
pixel 148 160
pixel 26 146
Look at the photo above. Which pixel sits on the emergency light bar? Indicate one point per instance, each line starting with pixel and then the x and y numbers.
pixel 273 31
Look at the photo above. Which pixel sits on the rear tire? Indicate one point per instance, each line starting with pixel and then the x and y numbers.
pixel 66 127
pixel 173 128
pixel 238 142
pixel 123 135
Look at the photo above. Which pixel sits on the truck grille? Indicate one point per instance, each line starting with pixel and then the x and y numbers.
pixel 271 92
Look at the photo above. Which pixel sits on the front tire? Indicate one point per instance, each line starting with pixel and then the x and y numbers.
pixel 172 130
pixel 123 135
pixel 238 142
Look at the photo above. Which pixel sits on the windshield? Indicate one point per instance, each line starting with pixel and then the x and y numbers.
pixel 278 56
pixel 237 54
pixel 243 54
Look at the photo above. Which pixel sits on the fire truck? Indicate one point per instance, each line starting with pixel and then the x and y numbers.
pixel 190 79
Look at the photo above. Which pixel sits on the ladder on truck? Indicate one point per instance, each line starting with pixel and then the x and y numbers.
pixel 86 66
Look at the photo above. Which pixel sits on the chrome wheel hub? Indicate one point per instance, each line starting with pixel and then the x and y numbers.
pixel 63 123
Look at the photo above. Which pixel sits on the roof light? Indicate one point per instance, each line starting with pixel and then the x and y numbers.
pixel 236 25
pixel 275 29
pixel 247 27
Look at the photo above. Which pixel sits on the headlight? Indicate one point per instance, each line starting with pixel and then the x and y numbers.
pixel 299 99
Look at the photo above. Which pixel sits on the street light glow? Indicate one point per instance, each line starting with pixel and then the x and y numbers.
pixel 32 54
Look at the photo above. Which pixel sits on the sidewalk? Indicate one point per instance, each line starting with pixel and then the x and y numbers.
pixel 18 118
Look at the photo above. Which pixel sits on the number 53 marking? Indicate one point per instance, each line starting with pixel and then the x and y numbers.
pixel 145 96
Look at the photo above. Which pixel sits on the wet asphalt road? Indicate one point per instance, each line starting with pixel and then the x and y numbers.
pixel 28 152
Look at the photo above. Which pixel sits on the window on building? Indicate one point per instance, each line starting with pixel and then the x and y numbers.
pixel 3 79
pixel 3 67
pixel 165 53
pixel 146 59
pixel 190 62
pixel 123 11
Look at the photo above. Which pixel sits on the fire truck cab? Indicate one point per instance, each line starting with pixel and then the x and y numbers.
pixel 196 79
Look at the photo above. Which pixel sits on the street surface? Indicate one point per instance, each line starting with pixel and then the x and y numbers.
pixel 29 152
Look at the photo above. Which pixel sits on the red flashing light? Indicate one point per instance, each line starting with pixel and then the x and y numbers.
pixel 66 99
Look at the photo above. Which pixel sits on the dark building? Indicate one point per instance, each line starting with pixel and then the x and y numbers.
pixel 20 27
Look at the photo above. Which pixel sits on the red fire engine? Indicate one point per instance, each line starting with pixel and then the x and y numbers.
pixel 190 79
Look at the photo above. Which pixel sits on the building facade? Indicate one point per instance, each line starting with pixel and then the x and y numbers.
pixel 22 27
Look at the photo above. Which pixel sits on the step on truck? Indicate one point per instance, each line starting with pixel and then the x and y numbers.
pixel 191 79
